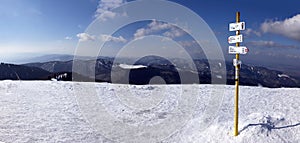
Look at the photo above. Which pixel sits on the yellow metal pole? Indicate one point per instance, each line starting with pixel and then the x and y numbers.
pixel 237 70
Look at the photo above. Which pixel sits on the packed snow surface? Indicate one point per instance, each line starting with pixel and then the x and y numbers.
pixel 48 111
pixel 125 66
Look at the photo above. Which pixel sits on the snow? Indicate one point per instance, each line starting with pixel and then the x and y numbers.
pixel 125 66
pixel 219 76
pixel 283 75
pixel 220 64
pixel 48 111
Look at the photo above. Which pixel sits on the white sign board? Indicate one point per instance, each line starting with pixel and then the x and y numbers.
pixel 235 39
pixel 237 26
pixel 238 50
pixel 237 62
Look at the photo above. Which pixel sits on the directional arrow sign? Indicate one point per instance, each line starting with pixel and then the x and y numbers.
pixel 237 26
pixel 235 39
pixel 238 50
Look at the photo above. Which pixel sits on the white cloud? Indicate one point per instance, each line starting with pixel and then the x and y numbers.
pixel 188 43
pixel 107 15
pixel 270 44
pixel 250 31
pixel 104 8
pixel 262 43
pixel 174 32
pixel 68 38
pixel 85 37
pixel 289 27
pixel 156 26
pixel 114 39
pixel 140 33
pixel 153 27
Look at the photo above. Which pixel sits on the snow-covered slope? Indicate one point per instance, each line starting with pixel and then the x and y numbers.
pixel 47 111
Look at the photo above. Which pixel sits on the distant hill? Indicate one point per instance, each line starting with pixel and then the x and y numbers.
pixel 44 58
pixel 48 58
pixel 53 66
pixel 20 72
pixel 250 75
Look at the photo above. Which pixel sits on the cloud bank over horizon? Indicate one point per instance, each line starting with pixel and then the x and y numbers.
pixel 290 27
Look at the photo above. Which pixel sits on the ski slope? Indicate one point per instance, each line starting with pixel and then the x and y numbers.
pixel 47 111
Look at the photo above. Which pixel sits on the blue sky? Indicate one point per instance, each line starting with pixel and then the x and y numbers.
pixel 40 27
pixel 33 27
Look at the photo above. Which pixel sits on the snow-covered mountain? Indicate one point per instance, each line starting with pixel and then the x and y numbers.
pixel 144 70
pixel 47 111
pixel 250 75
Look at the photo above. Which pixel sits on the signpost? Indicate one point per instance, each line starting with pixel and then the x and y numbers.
pixel 237 26
pixel 235 39
pixel 237 50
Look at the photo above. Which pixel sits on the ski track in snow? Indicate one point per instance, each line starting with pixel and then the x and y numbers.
pixel 47 111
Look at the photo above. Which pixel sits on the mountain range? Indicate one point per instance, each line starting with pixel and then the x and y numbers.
pixel 143 71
